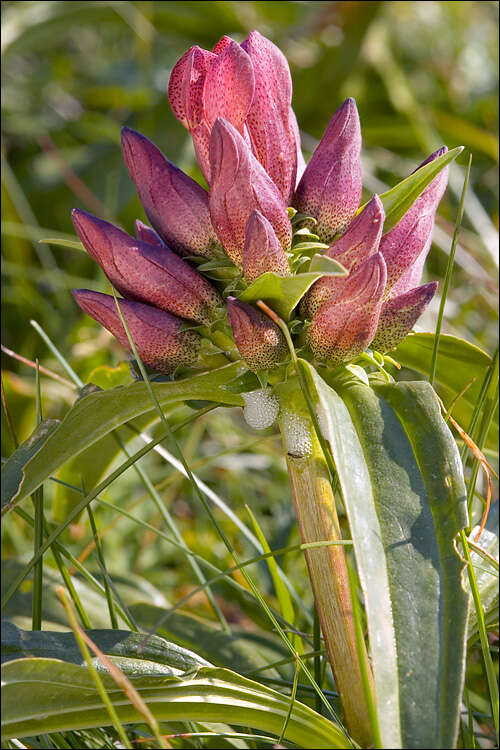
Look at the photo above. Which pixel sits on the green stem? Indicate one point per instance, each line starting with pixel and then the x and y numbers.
pixel 222 340
pixel 311 478
pixel 447 278
pixel 317 520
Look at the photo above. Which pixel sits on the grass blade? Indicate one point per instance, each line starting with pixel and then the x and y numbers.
pixel 449 269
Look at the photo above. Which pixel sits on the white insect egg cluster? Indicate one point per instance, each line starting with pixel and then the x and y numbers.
pixel 261 408
pixel 296 433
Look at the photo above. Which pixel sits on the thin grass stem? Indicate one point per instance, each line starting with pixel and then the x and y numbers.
pixel 483 636
pixel 102 564
pixel 448 273
pixel 36 614
pixel 95 676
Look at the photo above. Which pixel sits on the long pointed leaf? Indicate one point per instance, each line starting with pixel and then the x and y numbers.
pixel 401 197
pixel 404 493
pixel 48 695
pixel 97 414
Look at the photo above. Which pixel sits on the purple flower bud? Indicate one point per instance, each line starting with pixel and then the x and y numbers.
pixel 229 85
pixel 185 92
pixel 343 328
pixel 262 251
pixel 411 238
pixel 239 185
pixel 269 120
pixel 158 336
pixel 400 314
pixel 176 205
pixel 330 188
pixel 146 234
pixel 360 241
pixel 204 86
pixel 149 273
pixel 259 340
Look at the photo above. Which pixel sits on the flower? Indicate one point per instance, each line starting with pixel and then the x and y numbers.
pixel 176 205
pixel 149 273
pixel 359 241
pixel 157 335
pixel 250 86
pixel 239 185
pixel 343 327
pixel 330 188
pixel 206 85
pixel 262 251
pixel 235 101
pixel 260 342
pixel 399 315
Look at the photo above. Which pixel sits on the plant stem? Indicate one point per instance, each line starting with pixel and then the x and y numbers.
pixel 312 477
pixel 318 521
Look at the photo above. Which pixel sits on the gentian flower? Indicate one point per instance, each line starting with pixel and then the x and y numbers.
pixel 157 335
pixel 236 103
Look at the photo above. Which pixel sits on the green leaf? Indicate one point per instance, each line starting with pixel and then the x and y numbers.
pixel 486 574
pixel 359 373
pixel 110 377
pixel 131 588
pixel 135 653
pixel 327 266
pixel 458 363
pixel 241 650
pixel 48 695
pixel 73 244
pixel 282 294
pixel 403 489
pixel 400 198
pixel 95 415
pixel 308 243
pixel 12 472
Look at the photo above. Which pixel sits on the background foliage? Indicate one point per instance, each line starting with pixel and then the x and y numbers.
pixel 423 74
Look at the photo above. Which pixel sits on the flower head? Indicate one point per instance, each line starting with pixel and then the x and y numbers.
pixel 235 101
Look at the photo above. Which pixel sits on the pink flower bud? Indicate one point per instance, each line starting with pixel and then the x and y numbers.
pixel 400 314
pixel 270 120
pixel 360 241
pixel 262 251
pixel 146 234
pixel 330 188
pixel 158 336
pixel 343 328
pixel 185 92
pixel 149 273
pixel 176 205
pixel 239 185
pixel 260 342
pixel 204 86
pixel 411 238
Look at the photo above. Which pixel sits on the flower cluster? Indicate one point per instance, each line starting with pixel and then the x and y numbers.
pixel 236 103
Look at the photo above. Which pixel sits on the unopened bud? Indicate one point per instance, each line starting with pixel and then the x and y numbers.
pixel 343 328
pixel 330 188
pixel 400 314
pixel 260 342
pixel 158 336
